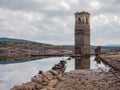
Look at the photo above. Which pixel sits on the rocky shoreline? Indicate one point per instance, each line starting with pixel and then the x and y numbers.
pixel 45 80
pixel 90 80
pixel 58 79
pixel 112 59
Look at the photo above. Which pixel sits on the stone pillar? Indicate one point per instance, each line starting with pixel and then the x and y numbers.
pixel 97 50
pixel 82 63
pixel 82 33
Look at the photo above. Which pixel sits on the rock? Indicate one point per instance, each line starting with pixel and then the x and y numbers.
pixel 25 87
pixel 38 86
pixel 54 72
pixel 43 89
pixel 50 76
pixel 45 78
pixel 60 66
pixel 53 83
pixel 60 78
pixel 40 72
pixel 69 58
pixel 36 80
pixel 50 88
pixel 28 85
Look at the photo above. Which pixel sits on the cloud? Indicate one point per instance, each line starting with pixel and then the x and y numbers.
pixel 106 29
pixel 95 4
pixel 52 21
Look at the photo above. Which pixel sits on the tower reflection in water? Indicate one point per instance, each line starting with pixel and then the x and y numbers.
pixel 82 63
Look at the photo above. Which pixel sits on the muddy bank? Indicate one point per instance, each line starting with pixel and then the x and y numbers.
pixel 112 59
pixel 99 79
pixel 90 80
pixel 77 80
pixel 17 52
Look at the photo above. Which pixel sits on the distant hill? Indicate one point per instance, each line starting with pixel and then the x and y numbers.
pixel 20 41
pixel 13 41
pixel 113 45
pixel 108 47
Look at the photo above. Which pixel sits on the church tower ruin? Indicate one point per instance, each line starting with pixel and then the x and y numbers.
pixel 82 33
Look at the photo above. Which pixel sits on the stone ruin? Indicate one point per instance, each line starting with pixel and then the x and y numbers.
pixel 45 80
pixel 97 50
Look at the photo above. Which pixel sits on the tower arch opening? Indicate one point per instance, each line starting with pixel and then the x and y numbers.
pixel 87 21
pixel 79 20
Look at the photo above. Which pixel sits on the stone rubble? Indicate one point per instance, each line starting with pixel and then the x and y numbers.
pixel 45 80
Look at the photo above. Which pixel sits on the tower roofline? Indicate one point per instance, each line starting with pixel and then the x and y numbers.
pixel 83 12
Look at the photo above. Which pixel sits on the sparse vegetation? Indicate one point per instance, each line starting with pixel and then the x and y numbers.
pixel 20 42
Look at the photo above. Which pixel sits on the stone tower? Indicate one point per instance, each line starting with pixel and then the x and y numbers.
pixel 82 63
pixel 82 33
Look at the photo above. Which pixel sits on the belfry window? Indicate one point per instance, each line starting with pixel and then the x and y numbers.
pixel 86 20
pixel 79 20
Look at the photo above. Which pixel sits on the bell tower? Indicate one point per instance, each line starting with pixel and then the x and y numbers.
pixel 82 33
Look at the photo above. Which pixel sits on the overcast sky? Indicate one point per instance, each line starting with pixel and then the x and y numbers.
pixel 52 21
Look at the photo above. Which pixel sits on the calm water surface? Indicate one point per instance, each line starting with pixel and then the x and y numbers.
pixel 16 73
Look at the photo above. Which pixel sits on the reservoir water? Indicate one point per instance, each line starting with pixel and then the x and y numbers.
pixel 16 73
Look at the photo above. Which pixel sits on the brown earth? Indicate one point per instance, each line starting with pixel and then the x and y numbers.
pixel 94 79
pixel 112 59
pixel 15 51
pixel 90 80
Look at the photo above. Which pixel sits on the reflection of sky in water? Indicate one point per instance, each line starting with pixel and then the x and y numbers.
pixel 17 73
pixel 94 65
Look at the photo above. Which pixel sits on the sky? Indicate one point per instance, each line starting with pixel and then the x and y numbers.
pixel 52 21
